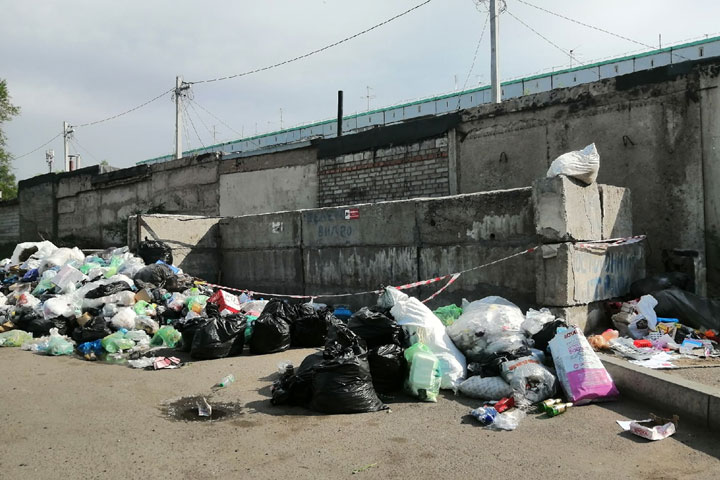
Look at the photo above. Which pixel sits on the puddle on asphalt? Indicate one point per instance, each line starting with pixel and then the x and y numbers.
pixel 186 410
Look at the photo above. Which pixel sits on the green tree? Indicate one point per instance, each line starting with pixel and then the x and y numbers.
pixel 8 184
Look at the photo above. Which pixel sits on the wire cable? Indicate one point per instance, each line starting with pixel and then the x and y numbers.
pixel 77 145
pixel 472 66
pixel 327 47
pixel 187 113
pixel 126 111
pixel 545 38
pixel 585 24
pixel 224 123
pixel 13 157
pixel 212 134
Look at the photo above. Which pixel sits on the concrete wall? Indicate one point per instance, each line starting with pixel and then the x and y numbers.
pixel 194 240
pixel 657 134
pixel 268 183
pixel 389 243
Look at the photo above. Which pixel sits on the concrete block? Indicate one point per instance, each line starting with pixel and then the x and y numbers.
pixel 271 271
pixel 504 216
pixel 567 210
pixel 616 212
pixel 591 318
pixel 180 231
pixel 573 274
pixel 388 223
pixel 355 269
pixel 272 230
pixel 513 279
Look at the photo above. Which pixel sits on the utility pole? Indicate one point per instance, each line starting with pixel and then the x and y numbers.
pixel 67 134
pixel 495 52
pixel 179 89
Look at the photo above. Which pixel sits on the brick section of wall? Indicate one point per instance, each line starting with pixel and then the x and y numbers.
pixel 9 222
pixel 395 173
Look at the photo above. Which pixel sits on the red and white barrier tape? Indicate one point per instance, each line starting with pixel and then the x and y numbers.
pixel 612 242
pixel 451 276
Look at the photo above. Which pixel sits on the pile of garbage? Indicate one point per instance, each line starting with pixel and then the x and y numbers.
pixel 138 309
pixel 662 324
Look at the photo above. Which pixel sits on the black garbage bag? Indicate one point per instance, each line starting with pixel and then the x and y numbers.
pixel 179 283
pixel 95 329
pixel 543 337
pixel 344 385
pixel 219 338
pixel 188 328
pixel 295 386
pixel 659 282
pixel 387 367
pixel 155 275
pixel 33 322
pixel 692 310
pixel 109 289
pixel 65 325
pixel 153 250
pixel 310 330
pixel 375 328
pixel 488 364
pixel 271 331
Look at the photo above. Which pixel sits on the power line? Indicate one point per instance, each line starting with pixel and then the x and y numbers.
pixel 300 57
pixel 224 123
pixel 74 140
pixel 126 111
pixel 193 125
pixel 586 25
pixel 545 38
pixel 477 49
pixel 202 121
pixel 36 149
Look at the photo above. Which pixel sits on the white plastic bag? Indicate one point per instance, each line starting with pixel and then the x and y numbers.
pixel 535 320
pixel 485 388
pixel 580 164
pixel 424 326
pixel 490 325
pixel 124 318
pixel 507 420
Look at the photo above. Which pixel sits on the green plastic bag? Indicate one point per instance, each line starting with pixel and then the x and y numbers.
pixel 116 342
pixel 448 314
pixel 14 338
pixel 424 375
pixel 166 336
pixel 248 329
pixel 59 346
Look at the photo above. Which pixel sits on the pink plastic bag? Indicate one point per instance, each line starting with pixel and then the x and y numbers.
pixel 580 371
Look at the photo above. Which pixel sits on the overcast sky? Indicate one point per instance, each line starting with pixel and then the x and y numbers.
pixel 82 61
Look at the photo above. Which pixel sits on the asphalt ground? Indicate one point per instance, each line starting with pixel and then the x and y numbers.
pixel 63 417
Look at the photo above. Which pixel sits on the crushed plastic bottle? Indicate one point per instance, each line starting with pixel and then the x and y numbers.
pixel 227 380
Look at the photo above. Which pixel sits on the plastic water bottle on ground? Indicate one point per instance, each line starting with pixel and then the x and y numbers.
pixel 226 381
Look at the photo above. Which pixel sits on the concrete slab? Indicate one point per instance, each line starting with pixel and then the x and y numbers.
pixel 385 223
pixel 272 230
pixel 272 270
pixel 500 216
pixel 616 212
pixel 567 210
pixel 691 401
pixel 570 274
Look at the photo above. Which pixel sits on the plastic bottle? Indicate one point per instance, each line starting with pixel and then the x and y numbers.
pixel 226 381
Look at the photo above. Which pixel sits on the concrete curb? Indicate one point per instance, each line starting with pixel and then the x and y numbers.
pixel 690 400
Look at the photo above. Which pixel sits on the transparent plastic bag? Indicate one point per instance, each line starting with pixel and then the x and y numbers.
pixel 484 322
pixel 530 380
pixel 485 388
pixel 535 319
pixel 508 420
pixel 580 164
